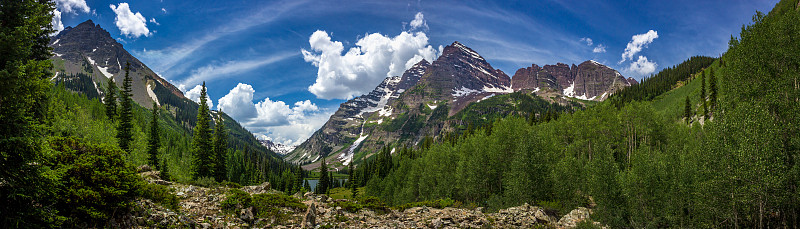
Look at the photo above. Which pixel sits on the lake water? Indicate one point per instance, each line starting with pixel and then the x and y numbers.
pixel 313 183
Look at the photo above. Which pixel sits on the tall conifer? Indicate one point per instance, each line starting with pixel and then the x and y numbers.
pixel 154 142
pixel 111 99
pixel 220 149
pixel 201 141
pixel 125 127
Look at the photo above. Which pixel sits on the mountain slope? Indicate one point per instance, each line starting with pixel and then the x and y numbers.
pixel 86 56
pixel 424 102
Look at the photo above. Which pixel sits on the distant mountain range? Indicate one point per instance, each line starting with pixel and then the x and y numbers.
pixel 278 148
pixel 402 110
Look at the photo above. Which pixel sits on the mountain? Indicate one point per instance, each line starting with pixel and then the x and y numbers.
pixel 86 55
pixel 589 80
pixel 428 100
pixel 278 148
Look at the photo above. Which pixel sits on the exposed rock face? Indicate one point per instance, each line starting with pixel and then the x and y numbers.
pixel 589 81
pixel 88 48
pixel 278 148
pixel 345 125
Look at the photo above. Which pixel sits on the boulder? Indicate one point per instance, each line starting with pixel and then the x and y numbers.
pixel 309 220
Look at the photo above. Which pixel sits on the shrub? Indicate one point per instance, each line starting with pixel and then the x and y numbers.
pixel 269 205
pixel 236 200
pixel 160 194
pixel 95 182
pixel 207 182
pixel 375 204
pixel 439 203
pixel 347 205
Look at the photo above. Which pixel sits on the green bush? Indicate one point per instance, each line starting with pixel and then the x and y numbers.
pixel 269 205
pixel 375 204
pixel 347 205
pixel 439 203
pixel 95 182
pixel 207 182
pixel 160 194
pixel 236 200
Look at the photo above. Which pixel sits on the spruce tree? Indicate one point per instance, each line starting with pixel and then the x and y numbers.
pixel 111 100
pixel 713 88
pixel 351 180
pixel 201 141
pixel 154 142
pixel 125 127
pixel 298 174
pixel 306 186
pixel 220 149
pixel 324 181
pixel 687 112
pixel 703 94
pixel 165 174
pixel 24 73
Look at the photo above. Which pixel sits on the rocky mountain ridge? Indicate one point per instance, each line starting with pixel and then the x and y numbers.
pixel 278 148
pixel 404 109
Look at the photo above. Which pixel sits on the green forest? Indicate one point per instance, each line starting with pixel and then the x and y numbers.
pixel 713 142
pixel 645 158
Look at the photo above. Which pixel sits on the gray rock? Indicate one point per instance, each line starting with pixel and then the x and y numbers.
pixel 309 220
pixel 247 215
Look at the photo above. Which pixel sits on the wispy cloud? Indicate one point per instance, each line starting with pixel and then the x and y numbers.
pixel 165 60
pixel 230 68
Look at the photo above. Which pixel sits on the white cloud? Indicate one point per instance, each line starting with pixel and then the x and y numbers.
pixel 72 6
pixel 194 95
pixel 153 20
pixel 418 22
pixel 163 10
pixel 275 120
pixel 215 71
pixel 587 40
pixel 599 49
pixel 636 44
pixel 364 66
pixel 643 66
pixel 56 23
pixel 130 24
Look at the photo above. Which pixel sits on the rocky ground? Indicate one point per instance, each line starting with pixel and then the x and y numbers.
pixel 200 208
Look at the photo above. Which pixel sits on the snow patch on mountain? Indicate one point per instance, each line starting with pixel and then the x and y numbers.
pixel 498 90
pixel 150 93
pixel 351 151
pixel 463 91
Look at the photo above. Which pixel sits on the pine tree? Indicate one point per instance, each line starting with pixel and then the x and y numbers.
pixel 306 185
pixel 703 94
pixel 351 180
pixel 687 112
pixel 154 142
pixel 165 174
pixel 111 100
pixel 201 141
pixel 324 181
pixel 298 175
pixel 713 88
pixel 125 127
pixel 220 149
pixel 24 73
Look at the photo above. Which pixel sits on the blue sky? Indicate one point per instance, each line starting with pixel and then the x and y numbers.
pixel 258 62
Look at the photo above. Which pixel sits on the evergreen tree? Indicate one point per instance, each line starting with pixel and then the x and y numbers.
pixel 306 185
pixel 351 180
pixel 713 88
pixel 220 149
pixel 703 94
pixel 165 171
pixel 154 142
pixel 125 127
pixel 687 112
pixel 298 178
pixel 111 100
pixel 201 141
pixel 324 181
pixel 24 73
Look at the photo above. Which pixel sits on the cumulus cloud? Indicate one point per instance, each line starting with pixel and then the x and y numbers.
pixel 636 44
pixel 130 24
pixel 599 49
pixel 194 95
pixel 418 22
pixel 643 66
pixel 364 66
pixel 66 6
pixel 273 120
pixel 72 6
pixel 587 40
pixel 56 23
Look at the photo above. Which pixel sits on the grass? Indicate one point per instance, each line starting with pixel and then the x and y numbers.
pixel 671 103
pixel 344 193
